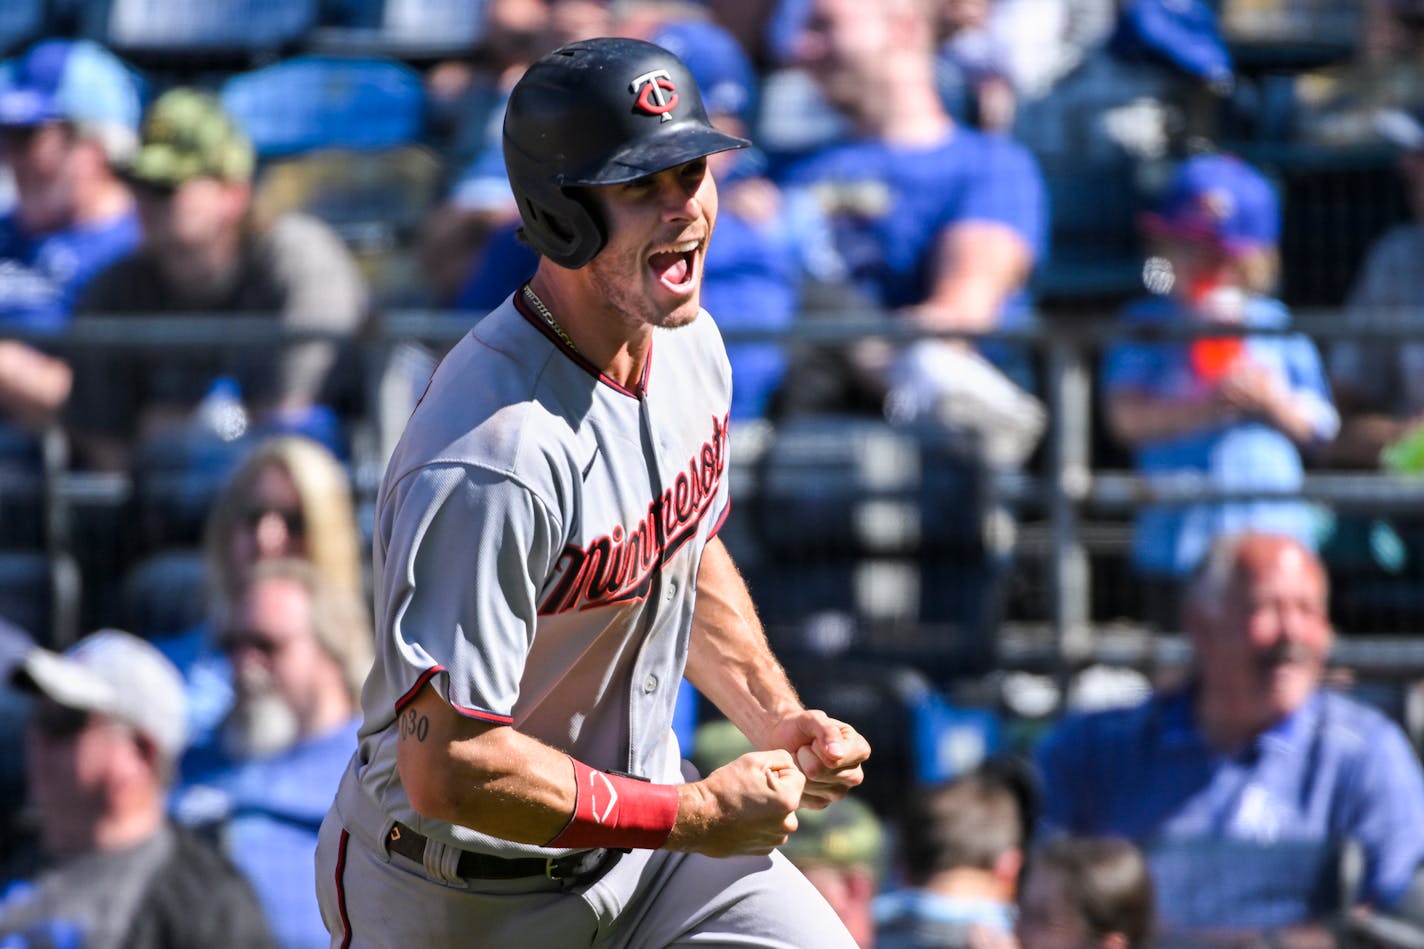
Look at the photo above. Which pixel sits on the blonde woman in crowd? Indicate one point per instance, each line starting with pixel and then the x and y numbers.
pixel 290 498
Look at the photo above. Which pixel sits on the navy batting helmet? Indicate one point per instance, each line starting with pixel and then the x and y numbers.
pixel 597 112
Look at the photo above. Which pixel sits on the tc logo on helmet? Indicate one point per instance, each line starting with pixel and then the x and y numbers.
pixel 656 93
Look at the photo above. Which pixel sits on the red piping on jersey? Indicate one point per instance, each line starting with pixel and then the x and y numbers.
pixel 410 694
pixel 483 715
pixel 721 519
pixel 578 357
pixel 341 890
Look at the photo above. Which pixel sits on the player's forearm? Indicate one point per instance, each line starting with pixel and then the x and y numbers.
pixel 490 778
pixel 729 660
pixel 501 782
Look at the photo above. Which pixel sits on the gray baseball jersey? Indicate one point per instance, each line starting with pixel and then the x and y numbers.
pixel 538 533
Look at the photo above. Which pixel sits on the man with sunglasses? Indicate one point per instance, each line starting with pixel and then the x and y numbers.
pixel 206 251
pixel 104 735
pixel 300 648
pixel 68 116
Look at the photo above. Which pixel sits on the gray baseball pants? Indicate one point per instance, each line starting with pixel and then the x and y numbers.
pixel 371 899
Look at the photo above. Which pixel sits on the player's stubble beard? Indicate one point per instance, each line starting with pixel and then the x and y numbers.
pixel 622 278
pixel 262 723
pixel 634 300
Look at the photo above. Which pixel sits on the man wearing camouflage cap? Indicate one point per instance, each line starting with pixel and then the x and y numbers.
pixel 205 251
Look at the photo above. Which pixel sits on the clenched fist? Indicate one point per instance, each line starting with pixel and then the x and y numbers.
pixel 747 806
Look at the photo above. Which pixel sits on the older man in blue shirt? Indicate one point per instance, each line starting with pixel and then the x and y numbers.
pixel 1246 785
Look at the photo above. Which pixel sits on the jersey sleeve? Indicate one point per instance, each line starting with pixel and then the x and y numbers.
pixel 467 551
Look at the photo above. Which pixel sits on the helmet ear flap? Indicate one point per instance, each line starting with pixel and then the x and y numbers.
pixel 562 225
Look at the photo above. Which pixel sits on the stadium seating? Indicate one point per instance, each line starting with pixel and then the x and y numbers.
pixel 163 595
pixel 188 29
pixel 312 102
pixel 410 29
pixel 21 21
pixel 338 139
pixel 888 525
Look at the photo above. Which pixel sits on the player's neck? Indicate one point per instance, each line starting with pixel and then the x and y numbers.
pixel 615 346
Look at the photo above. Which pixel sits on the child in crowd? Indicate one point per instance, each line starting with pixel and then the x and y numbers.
pixel 1236 411
pixel 1086 892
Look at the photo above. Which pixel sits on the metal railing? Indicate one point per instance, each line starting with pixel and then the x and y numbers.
pixel 1065 486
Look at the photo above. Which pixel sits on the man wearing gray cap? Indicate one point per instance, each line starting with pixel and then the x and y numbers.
pixel 105 729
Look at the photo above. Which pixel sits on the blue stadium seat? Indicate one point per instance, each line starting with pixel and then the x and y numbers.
pixel 22 490
pixel 164 595
pixel 186 28
pixel 918 737
pixel 410 29
pixel 177 477
pixel 315 102
pixel 14 710
pixel 338 136
pixel 27 592
pixel 20 22
pixel 886 525
pixel 1094 251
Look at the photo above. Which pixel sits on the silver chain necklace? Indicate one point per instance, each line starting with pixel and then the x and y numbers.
pixel 547 317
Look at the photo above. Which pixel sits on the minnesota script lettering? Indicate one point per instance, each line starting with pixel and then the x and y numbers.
pixel 618 567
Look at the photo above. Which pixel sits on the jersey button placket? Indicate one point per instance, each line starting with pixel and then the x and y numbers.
pixel 650 683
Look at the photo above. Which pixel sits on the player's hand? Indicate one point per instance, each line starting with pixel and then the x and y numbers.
pixel 747 806
pixel 829 752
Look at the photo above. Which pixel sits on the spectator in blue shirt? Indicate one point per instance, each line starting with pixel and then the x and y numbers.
pixel 69 115
pixel 300 650
pixel 926 217
pixel 1245 784
pixel 1236 411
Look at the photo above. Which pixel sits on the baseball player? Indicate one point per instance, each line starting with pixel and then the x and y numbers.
pixel 547 568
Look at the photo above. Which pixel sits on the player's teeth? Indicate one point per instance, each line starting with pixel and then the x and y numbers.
pixel 686 247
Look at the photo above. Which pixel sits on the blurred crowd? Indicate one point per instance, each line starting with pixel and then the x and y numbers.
pixel 929 181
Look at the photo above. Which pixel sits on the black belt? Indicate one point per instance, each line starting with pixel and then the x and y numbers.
pixel 575 867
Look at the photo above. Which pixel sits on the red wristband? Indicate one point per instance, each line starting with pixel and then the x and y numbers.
pixel 614 811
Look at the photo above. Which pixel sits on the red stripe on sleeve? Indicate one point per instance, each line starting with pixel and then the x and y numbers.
pixel 414 690
pixel 483 715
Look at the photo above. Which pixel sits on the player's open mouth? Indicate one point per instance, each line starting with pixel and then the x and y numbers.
pixel 675 266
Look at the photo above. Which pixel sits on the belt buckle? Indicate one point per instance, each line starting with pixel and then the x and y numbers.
pixel 577 866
